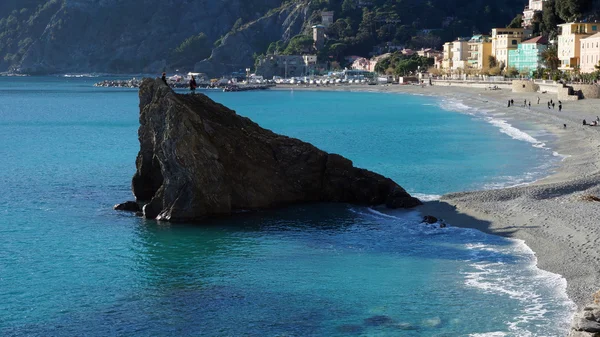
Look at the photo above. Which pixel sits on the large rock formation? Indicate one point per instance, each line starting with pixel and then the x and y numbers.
pixel 198 158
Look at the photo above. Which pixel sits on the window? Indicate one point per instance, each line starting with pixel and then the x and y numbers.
pixel 514 42
pixel 594 28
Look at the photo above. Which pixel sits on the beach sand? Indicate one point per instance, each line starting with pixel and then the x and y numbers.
pixel 554 216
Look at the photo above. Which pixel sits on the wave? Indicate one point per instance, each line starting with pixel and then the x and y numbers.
pixel 491 273
pixel 80 75
pixel 426 197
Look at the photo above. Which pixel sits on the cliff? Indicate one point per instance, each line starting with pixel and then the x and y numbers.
pixel 199 159
pixel 111 36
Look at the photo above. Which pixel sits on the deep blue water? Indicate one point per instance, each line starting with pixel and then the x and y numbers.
pixel 70 265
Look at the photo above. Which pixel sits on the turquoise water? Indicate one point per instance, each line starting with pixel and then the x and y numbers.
pixel 71 266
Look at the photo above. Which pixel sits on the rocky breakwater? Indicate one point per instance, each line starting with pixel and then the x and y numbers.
pixel 200 159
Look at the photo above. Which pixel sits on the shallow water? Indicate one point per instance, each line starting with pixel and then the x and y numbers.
pixel 69 265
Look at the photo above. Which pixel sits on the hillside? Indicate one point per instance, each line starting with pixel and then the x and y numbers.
pixel 132 36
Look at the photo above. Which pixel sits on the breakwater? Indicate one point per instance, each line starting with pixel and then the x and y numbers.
pixel 135 83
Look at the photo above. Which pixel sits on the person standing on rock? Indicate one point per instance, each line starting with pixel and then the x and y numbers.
pixel 193 85
pixel 164 78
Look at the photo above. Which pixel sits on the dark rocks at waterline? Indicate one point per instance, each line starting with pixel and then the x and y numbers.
pixel 378 320
pixel 128 206
pixel 429 219
pixel 136 83
pixel 199 159
pixel 586 323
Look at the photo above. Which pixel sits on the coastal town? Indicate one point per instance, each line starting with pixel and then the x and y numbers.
pixel 300 168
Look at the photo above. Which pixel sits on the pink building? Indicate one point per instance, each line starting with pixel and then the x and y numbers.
pixel 589 54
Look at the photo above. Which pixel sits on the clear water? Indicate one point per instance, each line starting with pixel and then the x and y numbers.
pixel 71 266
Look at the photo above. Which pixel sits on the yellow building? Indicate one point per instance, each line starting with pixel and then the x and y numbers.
pixel 480 49
pixel 447 60
pixel 503 40
pixel 569 42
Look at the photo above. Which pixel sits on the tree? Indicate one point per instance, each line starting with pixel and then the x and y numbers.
pixel 517 22
pixel 348 6
pixel 492 61
pixel 337 49
pixel 572 10
pixel 237 25
pixel 549 20
pixel 550 58
pixel 193 49
pixel 298 45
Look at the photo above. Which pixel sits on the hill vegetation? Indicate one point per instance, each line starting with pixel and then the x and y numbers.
pixel 47 36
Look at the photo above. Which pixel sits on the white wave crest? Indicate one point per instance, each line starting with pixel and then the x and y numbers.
pixel 426 197
pixel 519 283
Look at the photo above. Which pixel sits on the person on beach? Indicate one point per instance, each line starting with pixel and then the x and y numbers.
pixel 509 103
pixel 584 122
pixel 525 103
pixel 564 126
pixel 529 105
pixel 164 78
pixel 548 105
pixel 559 107
pixel 552 106
pixel 597 119
pixel 538 99
pixel 512 102
pixel 193 85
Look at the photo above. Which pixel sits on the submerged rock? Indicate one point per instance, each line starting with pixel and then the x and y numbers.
pixel 198 158
pixel 128 206
pixel 378 320
pixel 429 219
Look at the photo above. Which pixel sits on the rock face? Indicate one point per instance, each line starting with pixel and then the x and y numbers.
pixel 238 47
pixel 586 323
pixel 111 36
pixel 198 159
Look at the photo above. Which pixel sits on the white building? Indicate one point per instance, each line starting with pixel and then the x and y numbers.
pixel 460 54
pixel 535 6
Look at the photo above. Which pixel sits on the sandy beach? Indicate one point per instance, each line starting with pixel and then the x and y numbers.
pixel 555 216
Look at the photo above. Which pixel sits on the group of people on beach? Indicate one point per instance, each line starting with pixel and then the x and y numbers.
pixel 193 84
pixel 551 104
pixel 593 123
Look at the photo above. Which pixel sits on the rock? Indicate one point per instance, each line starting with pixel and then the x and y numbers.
pixel 378 320
pixel 443 225
pixel 582 334
pixel 199 159
pixel 129 206
pixel 582 324
pixel 429 219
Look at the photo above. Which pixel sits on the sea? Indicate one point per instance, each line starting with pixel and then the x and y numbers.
pixel 72 266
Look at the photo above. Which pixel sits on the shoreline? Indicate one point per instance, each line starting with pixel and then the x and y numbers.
pixel 551 215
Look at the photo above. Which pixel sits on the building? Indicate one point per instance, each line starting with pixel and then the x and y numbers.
pixel 528 56
pixel 319 36
pixel 504 40
pixel 569 42
pixel 589 54
pixel 327 18
pixel 460 54
pixel 480 50
pixel 447 56
pixel 535 6
pixel 365 64
pixel 286 65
